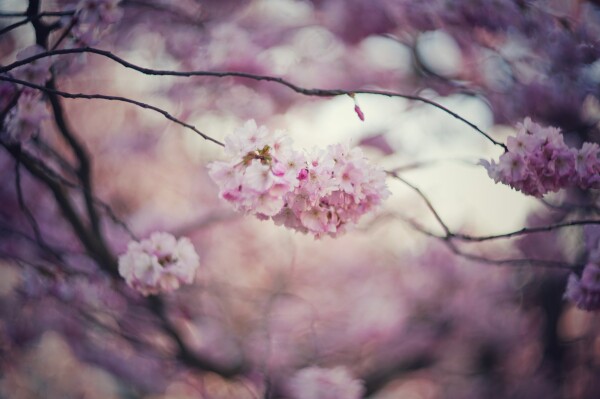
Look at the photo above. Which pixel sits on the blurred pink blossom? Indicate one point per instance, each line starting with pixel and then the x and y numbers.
pixel 159 264
pixel 38 71
pixel 323 383
pixel 585 291
pixel 24 120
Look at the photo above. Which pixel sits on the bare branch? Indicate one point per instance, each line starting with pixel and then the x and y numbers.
pixel 427 202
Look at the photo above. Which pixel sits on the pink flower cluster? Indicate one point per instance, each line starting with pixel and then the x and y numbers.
pixel 23 120
pixel 159 264
pixel 320 193
pixel 92 18
pixel 99 12
pixel 538 161
pixel 38 71
pixel 585 291
pixel 322 383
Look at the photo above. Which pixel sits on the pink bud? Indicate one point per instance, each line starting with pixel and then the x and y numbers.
pixel 303 174
pixel 359 112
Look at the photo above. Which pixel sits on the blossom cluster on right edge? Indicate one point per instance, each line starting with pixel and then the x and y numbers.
pixel 538 161
pixel 321 193
pixel 584 290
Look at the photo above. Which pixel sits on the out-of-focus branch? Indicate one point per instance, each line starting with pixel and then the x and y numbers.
pixel 156 304
pixel 29 215
pixel 111 98
pixel 278 80
pixel 94 247
pixel 84 170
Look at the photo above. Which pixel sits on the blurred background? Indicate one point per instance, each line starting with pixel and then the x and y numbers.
pixel 401 310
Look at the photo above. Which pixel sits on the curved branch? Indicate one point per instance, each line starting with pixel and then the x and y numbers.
pixel 111 98
pixel 274 79
pixel 427 202
pixel 156 304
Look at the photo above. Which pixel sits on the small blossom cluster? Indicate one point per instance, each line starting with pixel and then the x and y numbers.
pixel 323 383
pixel 319 193
pixel 584 292
pixel 94 17
pixel 38 71
pixel 23 120
pixel 538 161
pixel 159 264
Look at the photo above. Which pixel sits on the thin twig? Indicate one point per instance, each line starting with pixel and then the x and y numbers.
pixel 426 200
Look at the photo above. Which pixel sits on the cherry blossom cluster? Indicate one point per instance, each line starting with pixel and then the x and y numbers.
pixel 159 264
pixel 584 292
pixel 538 161
pixel 23 120
pixel 321 193
pixel 323 383
pixel 37 71
pixel 93 17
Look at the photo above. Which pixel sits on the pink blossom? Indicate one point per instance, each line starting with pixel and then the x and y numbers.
pixel 323 383
pixel 99 12
pixel 322 193
pixel 340 186
pixel 584 292
pixel 359 112
pixel 538 161
pixel 357 109
pixel 159 264
pixel 261 168
pixel 23 120
pixel 588 166
pixel 38 71
pixel 590 277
